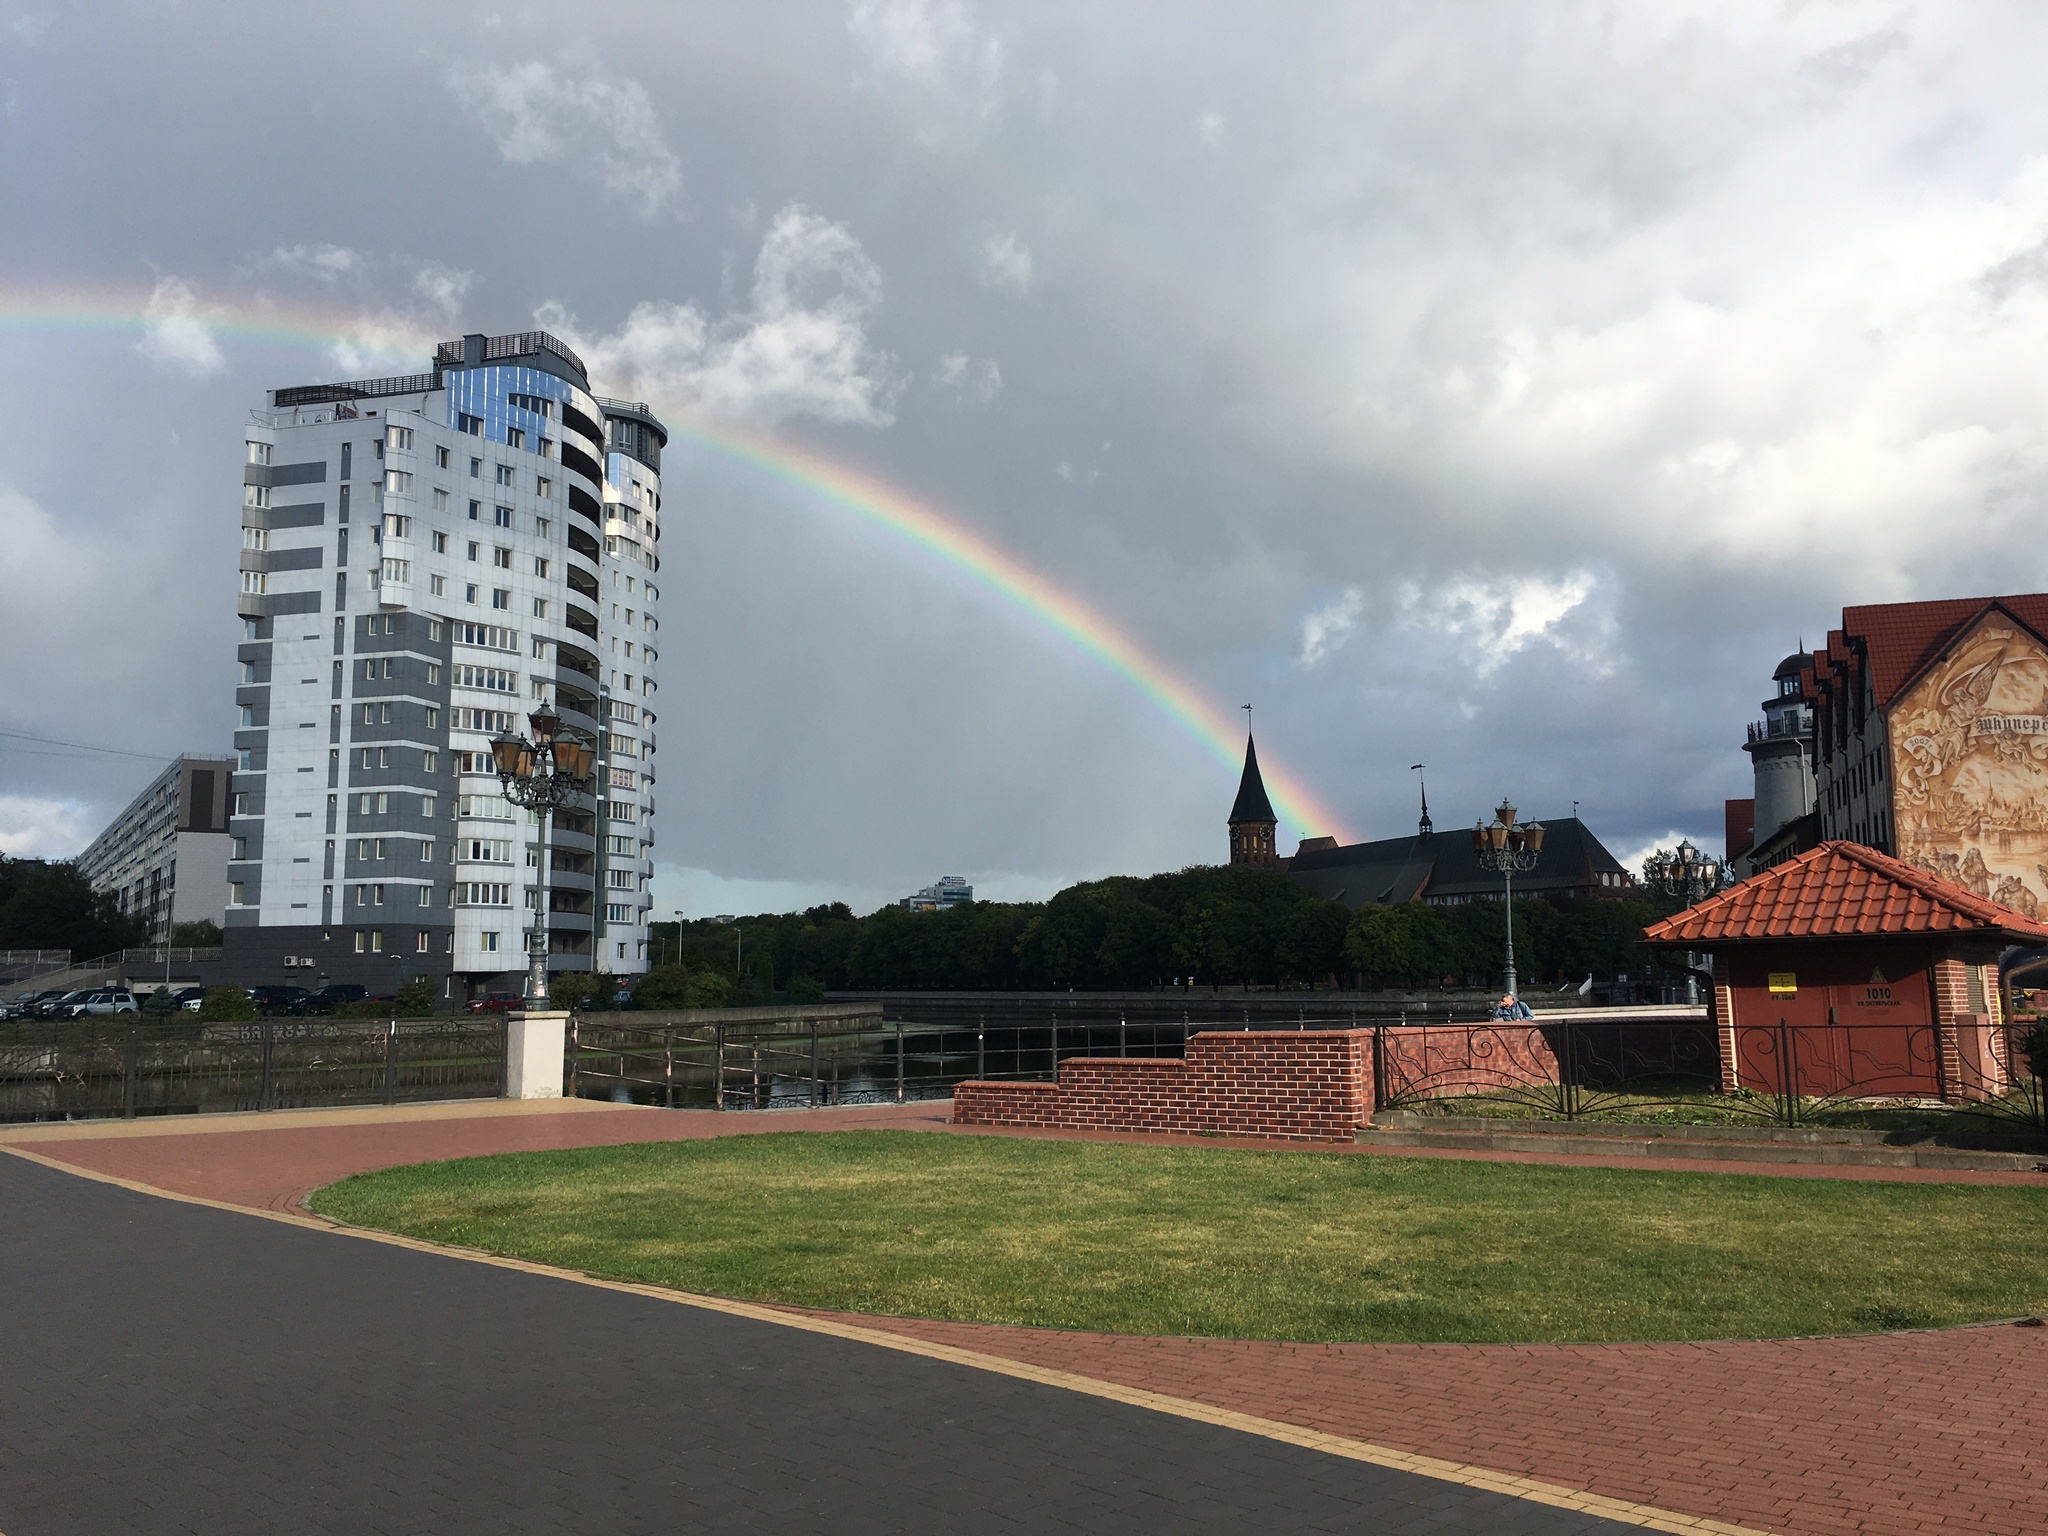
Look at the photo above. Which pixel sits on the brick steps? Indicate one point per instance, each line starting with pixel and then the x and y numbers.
pixel 1707 1143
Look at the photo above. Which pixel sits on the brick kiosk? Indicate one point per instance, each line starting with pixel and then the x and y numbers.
pixel 1847 972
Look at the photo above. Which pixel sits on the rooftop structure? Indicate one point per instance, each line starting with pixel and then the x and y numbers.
pixel 949 891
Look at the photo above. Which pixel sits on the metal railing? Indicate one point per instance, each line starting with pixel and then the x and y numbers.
pixel 86 1068
pixel 1880 1075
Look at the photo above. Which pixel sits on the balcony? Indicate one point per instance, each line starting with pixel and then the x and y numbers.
pixel 1791 727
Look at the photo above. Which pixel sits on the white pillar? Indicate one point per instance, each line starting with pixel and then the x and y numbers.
pixel 534 1055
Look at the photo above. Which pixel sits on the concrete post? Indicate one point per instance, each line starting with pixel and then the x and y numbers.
pixel 534 1055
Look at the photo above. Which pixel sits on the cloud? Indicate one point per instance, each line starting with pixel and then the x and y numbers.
pixel 175 336
pixel 1209 127
pixel 537 115
pixel 1495 618
pixel 323 263
pixel 1330 626
pixel 935 46
pixel 976 380
pixel 38 827
pixel 444 287
pixel 801 348
pixel 1006 264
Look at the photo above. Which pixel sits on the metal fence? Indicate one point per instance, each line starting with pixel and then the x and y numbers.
pixel 1781 1074
pixel 84 1068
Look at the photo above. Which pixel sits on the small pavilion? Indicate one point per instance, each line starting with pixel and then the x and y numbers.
pixel 1863 975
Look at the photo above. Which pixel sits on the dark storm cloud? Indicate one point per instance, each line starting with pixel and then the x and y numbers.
pixel 1504 388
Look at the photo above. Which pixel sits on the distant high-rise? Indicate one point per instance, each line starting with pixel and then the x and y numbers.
pixel 165 858
pixel 425 559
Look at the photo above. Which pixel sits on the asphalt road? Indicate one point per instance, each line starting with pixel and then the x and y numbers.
pixel 173 1368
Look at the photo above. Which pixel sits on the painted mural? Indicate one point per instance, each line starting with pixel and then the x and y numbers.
pixel 1969 746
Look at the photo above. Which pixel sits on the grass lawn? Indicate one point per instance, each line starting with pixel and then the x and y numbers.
pixel 1236 1244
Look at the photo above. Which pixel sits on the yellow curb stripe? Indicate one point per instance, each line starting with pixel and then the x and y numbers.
pixel 1649 1517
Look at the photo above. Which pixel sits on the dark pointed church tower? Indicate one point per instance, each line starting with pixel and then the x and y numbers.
pixel 1252 822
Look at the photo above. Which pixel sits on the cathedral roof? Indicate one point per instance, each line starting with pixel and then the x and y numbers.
pixel 1251 804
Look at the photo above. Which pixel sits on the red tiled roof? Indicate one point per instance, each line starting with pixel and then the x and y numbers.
pixel 1841 890
pixel 1902 638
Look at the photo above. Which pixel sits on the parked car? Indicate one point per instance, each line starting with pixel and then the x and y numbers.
pixel 327 999
pixel 494 1002
pixel 30 1005
pixel 189 998
pixel 62 1005
pixel 104 1001
pixel 274 1000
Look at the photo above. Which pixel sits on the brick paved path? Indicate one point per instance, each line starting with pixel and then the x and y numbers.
pixel 175 1368
pixel 1922 1432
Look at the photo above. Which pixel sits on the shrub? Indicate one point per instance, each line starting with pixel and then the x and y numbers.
pixel 574 990
pixel 804 989
pixel 224 1004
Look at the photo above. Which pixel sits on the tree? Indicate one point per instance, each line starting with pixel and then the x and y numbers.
pixel 45 905
pixel 200 934
pixel 675 986
pixel 415 1000
pixel 1381 942
pixel 573 990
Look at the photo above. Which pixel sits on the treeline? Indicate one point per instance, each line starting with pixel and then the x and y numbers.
pixel 48 904
pixel 1224 925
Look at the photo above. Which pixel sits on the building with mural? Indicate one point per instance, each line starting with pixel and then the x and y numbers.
pixel 1931 740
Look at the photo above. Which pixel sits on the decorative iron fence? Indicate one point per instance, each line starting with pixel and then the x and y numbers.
pixel 1779 1073
pixel 84 1068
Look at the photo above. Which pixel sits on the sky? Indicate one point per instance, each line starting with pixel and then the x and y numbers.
pixel 1499 388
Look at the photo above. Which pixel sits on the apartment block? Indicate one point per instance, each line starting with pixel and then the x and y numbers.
pixel 425 560
pixel 165 858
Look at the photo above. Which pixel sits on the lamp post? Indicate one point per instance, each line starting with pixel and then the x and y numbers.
pixel 1692 877
pixel 541 775
pixel 1510 850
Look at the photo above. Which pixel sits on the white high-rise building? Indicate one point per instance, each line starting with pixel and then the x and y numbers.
pixel 425 560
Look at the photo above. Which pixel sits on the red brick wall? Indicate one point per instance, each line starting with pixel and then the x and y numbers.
pixel 1283 1085
pixel 1445 1061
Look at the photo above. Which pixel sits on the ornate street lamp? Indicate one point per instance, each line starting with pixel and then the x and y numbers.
pixel 1684 872
pixel 541 775
pixel 1692 877
pixel 1510 850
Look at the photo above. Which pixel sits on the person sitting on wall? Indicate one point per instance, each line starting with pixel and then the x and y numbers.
pixel 1510 1007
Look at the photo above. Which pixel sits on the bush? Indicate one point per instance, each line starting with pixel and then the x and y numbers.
pixel 200 934
pixel 804 989
pixel 673 986
pixel 2036 1049
pixel 226 1004
pixel 574 990
pixel 415 999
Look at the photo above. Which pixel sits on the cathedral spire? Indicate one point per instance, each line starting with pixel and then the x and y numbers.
pixel 1252 822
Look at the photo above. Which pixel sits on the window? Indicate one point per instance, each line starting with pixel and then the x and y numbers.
pixel 255 582
pixel 482 893
pixel 398 570
pixel 484 850
pixel 476 509
pixel 621 778
pixel 504 474
pixel 540 526
pixel 433 672
pixel 440 500
pixel 377 900
pixel 437 586
pixel 433 629
pixel 430 762
pixel 346 450
pixel 397 483
pixel 474 548
pixel 259 453
pixel 240 846
pixel 255 495
pixel 540 604
pixel 361 941
pixel 501 557
pixel 379 844
pixel 255 538
pixel 621 810
pixel 543 487
pixel 398 437
pixel 427 801
pixel 473 425
pixel 488 941
pixel 433 718
pixel 440 543
pixel 616 913
pixel 420 939
pixel 427 852
pixel 377 934
pixel 502 516
pixel 237 894
pixel 469 592
pixel 476 466
pixel 441 462
pixel 540 566
pixel 501 597
pixel 515 437
pixel 619 879
pixel 540 405
pixel 491 679
pixel 491 637
pixel 362 846
pixel 248 671
pixel 248 717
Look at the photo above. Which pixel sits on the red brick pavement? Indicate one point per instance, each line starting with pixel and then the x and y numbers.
pixel 1929 1432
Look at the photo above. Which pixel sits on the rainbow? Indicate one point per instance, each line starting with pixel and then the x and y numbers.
pixel 944 538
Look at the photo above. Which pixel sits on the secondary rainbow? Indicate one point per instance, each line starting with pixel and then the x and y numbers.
pixel 944 538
